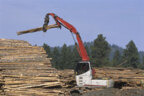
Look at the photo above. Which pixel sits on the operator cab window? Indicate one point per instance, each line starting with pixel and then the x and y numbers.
pixel 82 68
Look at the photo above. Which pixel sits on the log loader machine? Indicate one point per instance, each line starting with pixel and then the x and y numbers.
pixel 83 70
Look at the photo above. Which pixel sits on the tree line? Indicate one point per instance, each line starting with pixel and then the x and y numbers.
pixel 66 57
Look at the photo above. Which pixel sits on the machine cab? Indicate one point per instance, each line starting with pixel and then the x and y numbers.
pixel 82 67
pixel 84 77
pixel 83 73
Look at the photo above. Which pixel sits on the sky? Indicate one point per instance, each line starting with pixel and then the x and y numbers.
pixel 118 20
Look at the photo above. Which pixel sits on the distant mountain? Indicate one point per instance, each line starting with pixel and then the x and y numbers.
pixel 113 49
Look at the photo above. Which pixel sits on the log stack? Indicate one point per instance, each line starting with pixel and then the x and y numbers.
pixel 127 76
pixel 25 70
pixel 123 77
pixel 67 78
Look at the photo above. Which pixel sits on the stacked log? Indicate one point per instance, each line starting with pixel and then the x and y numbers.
pixel 25 70
pixel 67 78
pixel 130 76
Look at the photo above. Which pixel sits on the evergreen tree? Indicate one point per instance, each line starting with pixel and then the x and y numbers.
pixel 117 58
pixel 47 49
pixel 69 61
pixel 143 61
pixel 100 51
pixel 75 57
pixel 88 50
pixel 56 58
pixel 66 58
pixel 142 65
pixel 131 55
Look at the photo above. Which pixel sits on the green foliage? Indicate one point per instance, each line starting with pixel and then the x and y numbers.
pixel 143 61
pixel 131 55
pixel 88 50
pixel 100 52
pixel 66 58
pixel 117 58
pixel 47 49
pixel 55 57
pixel 75 57
pixel 142 64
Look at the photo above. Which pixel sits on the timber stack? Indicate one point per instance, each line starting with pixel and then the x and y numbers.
pixel 25 70
pixel 123 77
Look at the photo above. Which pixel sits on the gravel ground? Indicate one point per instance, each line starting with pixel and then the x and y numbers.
pixel 116 92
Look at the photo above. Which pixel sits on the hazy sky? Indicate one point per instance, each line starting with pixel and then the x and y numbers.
pixel 118 20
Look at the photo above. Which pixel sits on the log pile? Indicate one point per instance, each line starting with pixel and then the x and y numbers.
pixel 25 70
pixel 67 78
pixel 130 76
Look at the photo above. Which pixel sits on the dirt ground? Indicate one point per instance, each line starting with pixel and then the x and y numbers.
pixel 116 92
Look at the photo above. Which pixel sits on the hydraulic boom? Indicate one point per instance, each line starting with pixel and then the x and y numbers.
pixel 59 22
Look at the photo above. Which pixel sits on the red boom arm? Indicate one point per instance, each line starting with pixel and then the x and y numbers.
pixel 59 22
